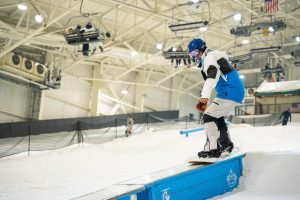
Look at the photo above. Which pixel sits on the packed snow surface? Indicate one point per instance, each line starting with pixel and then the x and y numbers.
pixel 271 167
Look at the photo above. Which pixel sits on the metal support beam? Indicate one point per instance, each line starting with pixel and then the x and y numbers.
pixel 117 106
pixel 66 101
pixel 5 25
pixel 142 9
pixel 120 102
pixel 171 75
pixel 37 31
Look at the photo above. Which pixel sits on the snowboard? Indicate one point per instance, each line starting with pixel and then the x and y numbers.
pixel 208 161
pixel 200 162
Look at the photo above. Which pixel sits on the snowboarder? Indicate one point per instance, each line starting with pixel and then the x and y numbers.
pixel 129 125
pixel 285 116
pixel 221 76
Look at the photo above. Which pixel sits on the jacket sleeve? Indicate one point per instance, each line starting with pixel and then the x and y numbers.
pixel 203 75
pixel 212 71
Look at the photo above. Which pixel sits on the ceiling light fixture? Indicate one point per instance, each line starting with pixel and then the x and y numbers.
pixel 134 53
pixel 245 41
pixel 124 92
pixel 188 26
pixel 237 17
pixel 39 18
pixel 203 29
pixel 271 29
pixel 22 7
pixel 159 46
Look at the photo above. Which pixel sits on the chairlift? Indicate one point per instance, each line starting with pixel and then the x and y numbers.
pixel 181 25
pixel 85 32
pixel 81 33
pixel 174 54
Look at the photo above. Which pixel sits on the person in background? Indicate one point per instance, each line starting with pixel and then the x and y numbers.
pixel 230 118
pixel 178 60
pixel 278 72
pixel 172 60
pixel 286 116
pixel 221 76
pixel 267 73
pixel 129 125
pixel 235 67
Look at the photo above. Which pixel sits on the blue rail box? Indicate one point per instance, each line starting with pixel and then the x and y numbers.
pixel 184 182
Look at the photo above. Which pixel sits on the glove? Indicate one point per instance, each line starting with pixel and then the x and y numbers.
pixel 201 106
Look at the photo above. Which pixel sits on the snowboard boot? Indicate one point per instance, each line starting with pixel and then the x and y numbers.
pixel 226 146
pixel 224 142
pixel 215 153
pixel 230 147
pixel 203 154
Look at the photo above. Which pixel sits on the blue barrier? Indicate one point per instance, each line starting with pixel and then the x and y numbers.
pixel 186 132
pixel 183 182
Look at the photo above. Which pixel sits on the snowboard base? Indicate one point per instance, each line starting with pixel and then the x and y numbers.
pixel 200 162
pixel 208 161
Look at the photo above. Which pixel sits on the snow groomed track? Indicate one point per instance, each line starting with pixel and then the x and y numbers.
pixel 183 182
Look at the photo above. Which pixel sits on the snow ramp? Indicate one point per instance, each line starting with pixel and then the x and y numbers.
pixel 184 182
pixel 268 176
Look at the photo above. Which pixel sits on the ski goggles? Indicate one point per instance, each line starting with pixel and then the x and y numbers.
pixel 194 53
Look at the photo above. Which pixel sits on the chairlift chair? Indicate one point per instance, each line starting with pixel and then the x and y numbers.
pixel 81 34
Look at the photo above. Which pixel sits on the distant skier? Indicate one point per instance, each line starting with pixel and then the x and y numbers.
pixel 279 73
pixel 221 76
pixel 129 125
pixel 285 116
pixel 267 73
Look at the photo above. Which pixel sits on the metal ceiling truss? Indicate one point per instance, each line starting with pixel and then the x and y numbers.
pixel 114 18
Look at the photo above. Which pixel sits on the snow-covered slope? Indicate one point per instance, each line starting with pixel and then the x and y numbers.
pixel 67 173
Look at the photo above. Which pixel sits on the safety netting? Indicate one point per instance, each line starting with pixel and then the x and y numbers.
pixel 258 120
pixel 85 132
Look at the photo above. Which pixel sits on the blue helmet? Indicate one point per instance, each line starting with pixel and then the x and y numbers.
pixel 197 44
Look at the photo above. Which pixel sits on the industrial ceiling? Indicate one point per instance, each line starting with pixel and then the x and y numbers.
pixel 136 27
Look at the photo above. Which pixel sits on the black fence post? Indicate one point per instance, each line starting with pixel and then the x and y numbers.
pixel 79 133
pixel 116 121
pixel 147 122
pixel 186 120
pixel 29 130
